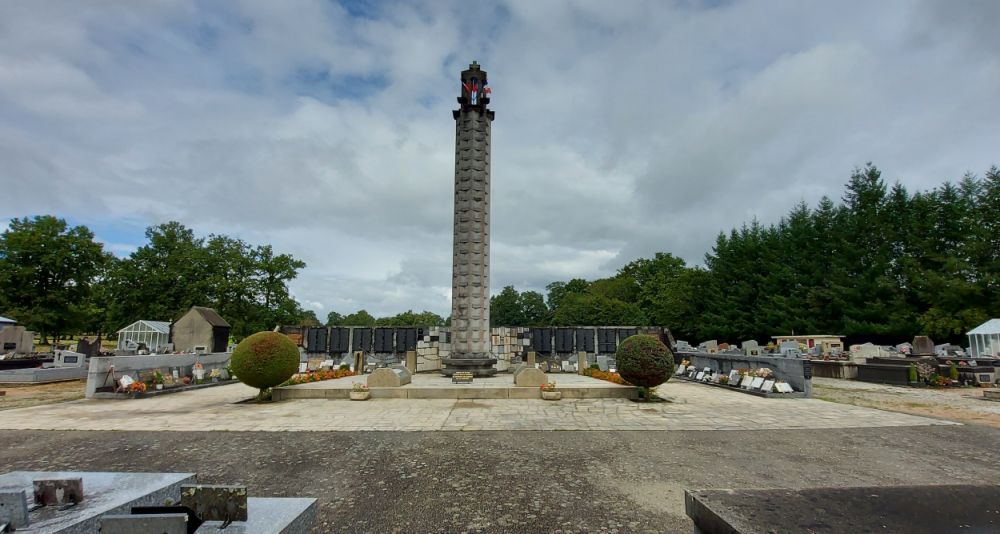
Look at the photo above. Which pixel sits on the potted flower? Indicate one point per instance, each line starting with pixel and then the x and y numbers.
pixel 360 391
pixel 549 391
pixel 158 379
pixel 137 387
pixel 215 374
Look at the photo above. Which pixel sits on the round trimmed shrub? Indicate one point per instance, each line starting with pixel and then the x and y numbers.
pixel 644 361
pixel 265 360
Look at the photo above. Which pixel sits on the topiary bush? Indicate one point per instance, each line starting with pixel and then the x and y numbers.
pixel 265 360
pixel 644 361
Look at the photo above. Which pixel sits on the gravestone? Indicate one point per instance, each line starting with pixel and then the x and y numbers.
pixel 922 346
pixel 602 362
pixel 734 376
pixel 529 377
pixel 531 358
pixel 581 362
pixel 411 361
pixel 768 386
pixel 756 383
pixel 389 377
pixel 750 348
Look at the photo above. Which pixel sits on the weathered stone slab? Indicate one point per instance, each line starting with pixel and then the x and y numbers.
pixel 389 377
pixel 14 508
pixel 107 494
pixel 991 394
pixel 530 377
pixel 131 524
pixel 910 509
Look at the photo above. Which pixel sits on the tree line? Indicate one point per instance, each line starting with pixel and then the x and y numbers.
pixel 883 264
pixel 57 280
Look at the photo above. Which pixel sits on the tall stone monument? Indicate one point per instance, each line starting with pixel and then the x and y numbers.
pixel 470 276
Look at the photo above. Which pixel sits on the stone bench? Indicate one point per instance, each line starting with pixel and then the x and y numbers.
pixel 525 376
pixel 389 377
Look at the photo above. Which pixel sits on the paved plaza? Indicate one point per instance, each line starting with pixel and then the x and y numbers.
pixel 690 407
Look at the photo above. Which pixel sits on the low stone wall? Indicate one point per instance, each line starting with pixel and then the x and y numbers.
pixel 796 371
pixel 97 374
pixel 835 369
pixel 38 375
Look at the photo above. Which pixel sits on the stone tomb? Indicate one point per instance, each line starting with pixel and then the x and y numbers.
pixel 389 377
pixel 111 500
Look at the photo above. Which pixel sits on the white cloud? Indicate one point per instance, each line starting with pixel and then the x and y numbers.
pixel 621 130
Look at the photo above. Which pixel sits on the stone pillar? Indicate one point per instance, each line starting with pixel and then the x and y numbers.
pixel 470 279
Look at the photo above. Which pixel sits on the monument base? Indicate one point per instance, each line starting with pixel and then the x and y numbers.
pixel 478 366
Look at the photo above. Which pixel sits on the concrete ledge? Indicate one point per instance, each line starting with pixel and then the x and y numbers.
pixel 445 392
pixel 909 509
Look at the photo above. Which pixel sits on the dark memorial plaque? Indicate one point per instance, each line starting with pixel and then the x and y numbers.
pixel 461 377
pixel 216 502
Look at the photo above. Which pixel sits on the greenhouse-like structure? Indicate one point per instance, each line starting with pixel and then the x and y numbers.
pixel 154 334
pixel 984 340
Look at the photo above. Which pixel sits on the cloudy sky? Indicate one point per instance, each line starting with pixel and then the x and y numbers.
pixel 622 128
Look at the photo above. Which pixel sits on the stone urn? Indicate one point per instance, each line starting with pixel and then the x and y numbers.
pixel 360 395
pixel 551 395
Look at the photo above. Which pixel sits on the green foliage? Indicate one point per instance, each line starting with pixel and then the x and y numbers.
pixel 407 318
pixel 176 270
pixel 264 360
pixel 359 318
pixel 644 361
pixel 510 308
pixel 578 309
pixel 953 371
pixel 911 375
pixel 47 274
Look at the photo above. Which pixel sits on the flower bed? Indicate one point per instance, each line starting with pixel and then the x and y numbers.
pixel 606 375
pixel 318 376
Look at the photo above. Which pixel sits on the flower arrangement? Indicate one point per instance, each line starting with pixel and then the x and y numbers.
pixel 158 377
pixel 137 387
pixel 186 380
pixel 215 373
pixel 548 386
pixel 724 379
pixel 685 362
pixel 359 387
pixel 614 378
pixel 318 376
pixel 764 372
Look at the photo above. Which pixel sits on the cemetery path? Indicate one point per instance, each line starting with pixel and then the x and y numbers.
pixel 490 481
pixel 965 405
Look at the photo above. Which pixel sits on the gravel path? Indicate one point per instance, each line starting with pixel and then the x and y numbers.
pixel 965 405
